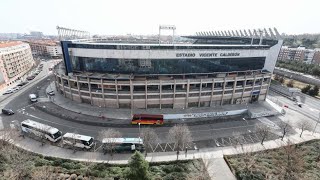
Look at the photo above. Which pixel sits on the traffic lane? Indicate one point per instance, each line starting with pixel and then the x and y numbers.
pixel 22 99
pixel 199 132
pixel 291 104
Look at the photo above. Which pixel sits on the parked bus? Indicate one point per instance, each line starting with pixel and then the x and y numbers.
pixel 147 119
pixel 124 144
pixel 44 131
pixel 77 140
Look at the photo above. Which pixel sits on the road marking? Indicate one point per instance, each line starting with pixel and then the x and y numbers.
pixel 268 123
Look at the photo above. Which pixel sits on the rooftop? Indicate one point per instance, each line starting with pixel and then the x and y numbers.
pixel 5 44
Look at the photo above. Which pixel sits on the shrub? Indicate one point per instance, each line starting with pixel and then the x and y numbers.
pixel 38 161
pixel 138 168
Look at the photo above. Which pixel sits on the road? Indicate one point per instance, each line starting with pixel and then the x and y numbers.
pixel 24 109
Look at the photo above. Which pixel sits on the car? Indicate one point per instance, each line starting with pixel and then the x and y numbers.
pixel 40 65
pixel 50 93
pixel 8 91
pixel 16 88
pixel 7 111
pixel 31 77
pixel 22 83
pixel 286 106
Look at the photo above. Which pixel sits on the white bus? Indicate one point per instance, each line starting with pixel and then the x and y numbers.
pixel 124 144
pixel 44 131
pixel 77 140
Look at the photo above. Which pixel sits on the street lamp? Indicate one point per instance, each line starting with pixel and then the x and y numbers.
pixel 139 131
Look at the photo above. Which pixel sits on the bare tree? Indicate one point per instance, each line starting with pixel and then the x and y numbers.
pixel 263 132
pixel 150 138
pixel 41 173
pixel 292 164
pixel 108 138
pixel 304 125
pixel 180 135
pixel 284 128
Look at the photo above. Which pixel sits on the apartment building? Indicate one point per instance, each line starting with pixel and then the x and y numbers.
pixel 297 54
pixel 15 61
pixel 48 48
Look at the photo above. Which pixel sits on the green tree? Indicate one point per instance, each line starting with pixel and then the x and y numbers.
pixel 138 168
pixel 290 83
pixel 315 71
pixel 314 91
pixel 281 80
pixel 306 89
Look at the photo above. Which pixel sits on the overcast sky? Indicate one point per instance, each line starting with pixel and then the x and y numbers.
pixel 144 16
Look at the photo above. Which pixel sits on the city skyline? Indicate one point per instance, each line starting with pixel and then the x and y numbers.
pixel 144 17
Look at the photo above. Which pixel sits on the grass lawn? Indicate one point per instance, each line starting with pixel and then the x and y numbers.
pixel 301 161
pixel 16 163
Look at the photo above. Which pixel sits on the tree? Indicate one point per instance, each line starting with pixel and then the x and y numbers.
pixel 180 135
pixel 314 91
pixel 108 139
pixel 284 127
pixel 263 132
pixel 281 80
pixel 150 138
pixel 138 168
pixel 292 164
pixel 290 83
pixel 306 89
pixel 276 77
pixel 304 125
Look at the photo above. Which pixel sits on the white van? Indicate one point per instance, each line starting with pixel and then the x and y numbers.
pixel 33 97
pixel 77 140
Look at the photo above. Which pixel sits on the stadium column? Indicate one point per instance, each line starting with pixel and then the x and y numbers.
pixel 146 93
pixel 244 87
pixel 117 93
pixel 78 85
pixel 254 84
pixel 187 95
pixel 224 87
pixel 131 94
pixel 89 85
pixel 160 95
pixel 174 93
pixel 102 91
pixel 64 89
pixel 269 82
pixel 234 89
pixel 56 82
pixel 70 88
pixel 199 101
pixel 212 90
pixel 261 86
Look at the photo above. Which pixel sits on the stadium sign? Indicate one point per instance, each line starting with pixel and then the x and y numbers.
pixel 207 54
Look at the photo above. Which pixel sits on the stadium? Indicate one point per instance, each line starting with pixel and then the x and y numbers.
pixel 204 70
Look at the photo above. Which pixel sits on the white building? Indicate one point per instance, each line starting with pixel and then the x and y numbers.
pixel 15 61
pixel 54 51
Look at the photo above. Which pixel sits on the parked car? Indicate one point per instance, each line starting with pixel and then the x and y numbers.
pixel 22 83
pixel 31 77
pixel 50 93
pixel 8 91
pixel 16 88
pixel 7 111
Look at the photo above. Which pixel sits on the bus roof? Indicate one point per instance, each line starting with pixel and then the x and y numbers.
pixel 40 126
pixel 149 115
pixel 78 136
pixel 123 140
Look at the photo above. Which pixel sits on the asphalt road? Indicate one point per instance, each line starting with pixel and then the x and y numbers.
pixel 24 109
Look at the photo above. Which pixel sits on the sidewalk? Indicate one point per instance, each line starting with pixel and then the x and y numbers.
pixel 218 169
pixel 169 114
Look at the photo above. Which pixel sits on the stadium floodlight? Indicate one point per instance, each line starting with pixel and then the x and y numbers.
pixel 266 33
pixel 271 33
pixel 233 34
pixel 277 33
pixel 167 27
pixel 245 33
pixel 250 33
pixel 237 33
pixel 213 33
pixel 221 32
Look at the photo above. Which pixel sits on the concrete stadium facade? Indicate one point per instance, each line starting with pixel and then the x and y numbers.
pixel 207 71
